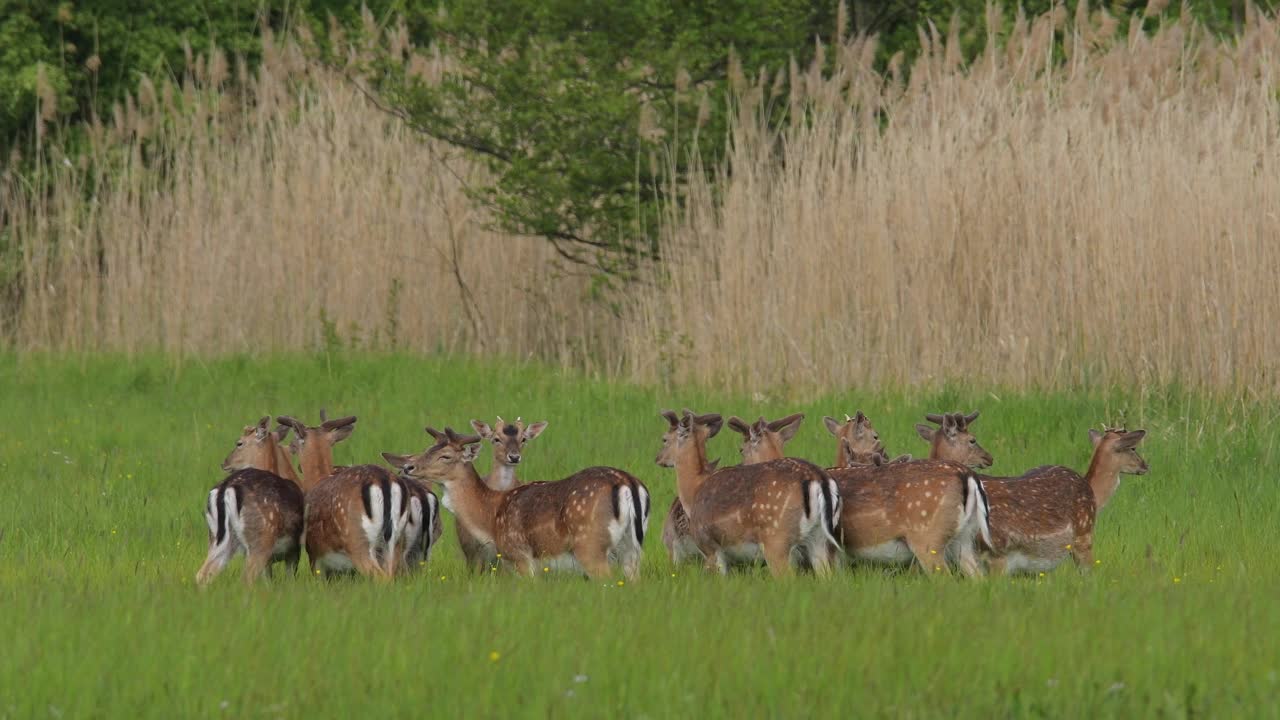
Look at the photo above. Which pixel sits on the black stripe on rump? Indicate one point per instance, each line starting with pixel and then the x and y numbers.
pixel 222 514
pixel 638 520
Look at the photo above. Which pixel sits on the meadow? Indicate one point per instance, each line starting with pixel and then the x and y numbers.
pixel 106 460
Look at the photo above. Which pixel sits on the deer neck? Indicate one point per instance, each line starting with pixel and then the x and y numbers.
pixel 1103 478
pixel 316 462
pixel 472 502
pixel 502 476
pixel 281 465
pixel 691 472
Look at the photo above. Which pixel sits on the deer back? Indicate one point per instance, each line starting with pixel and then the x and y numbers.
pixel 269 506
pixel 549 518
pixel 747 503
pixel 884 502
pixel 1039 506
pixel 361 512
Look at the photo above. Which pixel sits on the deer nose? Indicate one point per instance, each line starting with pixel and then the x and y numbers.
pixel 513 459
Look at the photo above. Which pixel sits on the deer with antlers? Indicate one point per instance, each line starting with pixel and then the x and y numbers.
pixel 508 441
pixel 895 512
pixel 1045 515
pixel 584 523
pixel 779 510
pixel 952 441
pixel 254 510
pixel 762 441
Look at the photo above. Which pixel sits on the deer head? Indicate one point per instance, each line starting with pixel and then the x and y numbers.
pixel 952 441
pixel 858 443
pixel 256 448
pixel 763 440
pixel 446 462
pixel 313 445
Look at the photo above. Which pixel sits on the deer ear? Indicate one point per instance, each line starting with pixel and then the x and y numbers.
pixel 1095 437
pixel 739 426
pixel 832 425
pixel 260 431
pixel 338 434
pixel 534 430
pixel 282 432
pixel 396 461
pixel 950 426
pixel 788 426
pixel 482 428
pixel 1129 441
pixel 860 417
pixel 470 452
pixel 925 432
pixel 713 423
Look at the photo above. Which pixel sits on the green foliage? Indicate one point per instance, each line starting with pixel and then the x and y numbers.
pixel 107 462
pixel 585 112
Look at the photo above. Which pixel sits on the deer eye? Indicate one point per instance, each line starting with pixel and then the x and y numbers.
pixel 973 441
pixel 239 443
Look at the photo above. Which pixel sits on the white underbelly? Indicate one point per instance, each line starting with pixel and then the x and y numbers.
pixel 743 554
pixel 894 552
pixel 1016 562
pixel 336 562
pixel 282 546
pixel 563 563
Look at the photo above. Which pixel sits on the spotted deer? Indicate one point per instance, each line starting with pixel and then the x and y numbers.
pixel 857 442
pixel 254 510
pixel 313 445
pixel 1048 513
pixel 952 441
pixel 761 441
pixel 361 518
pixel 585 523
pixel 508 441
pixel 780 510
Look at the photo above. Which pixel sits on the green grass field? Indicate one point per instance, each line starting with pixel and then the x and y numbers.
pixel 105 464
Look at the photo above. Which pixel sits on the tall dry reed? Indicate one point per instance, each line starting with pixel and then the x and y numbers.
pixel 1113 218
pixel 281 211
pixel 1019 219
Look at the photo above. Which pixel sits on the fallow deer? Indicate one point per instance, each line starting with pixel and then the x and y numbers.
pixel 1041 517
pixel 952 440
pixel 313 445
pixel 895 512
pixel 779 510
pixel 583 523
pixel 363 517
pixel 508 443
pixel 857 442
pixel 254 510
pixel 762 441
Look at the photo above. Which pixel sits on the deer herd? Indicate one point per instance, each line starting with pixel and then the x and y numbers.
pixel 787 513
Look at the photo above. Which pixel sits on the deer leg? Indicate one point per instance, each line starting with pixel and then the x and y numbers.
pixel 257 561
pixel 593 556
pixel 777 555
pixel 968 561
pixel 930 555
pixel 216 561
pixel 1082 553
pixel 997 565
pixel 291 559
